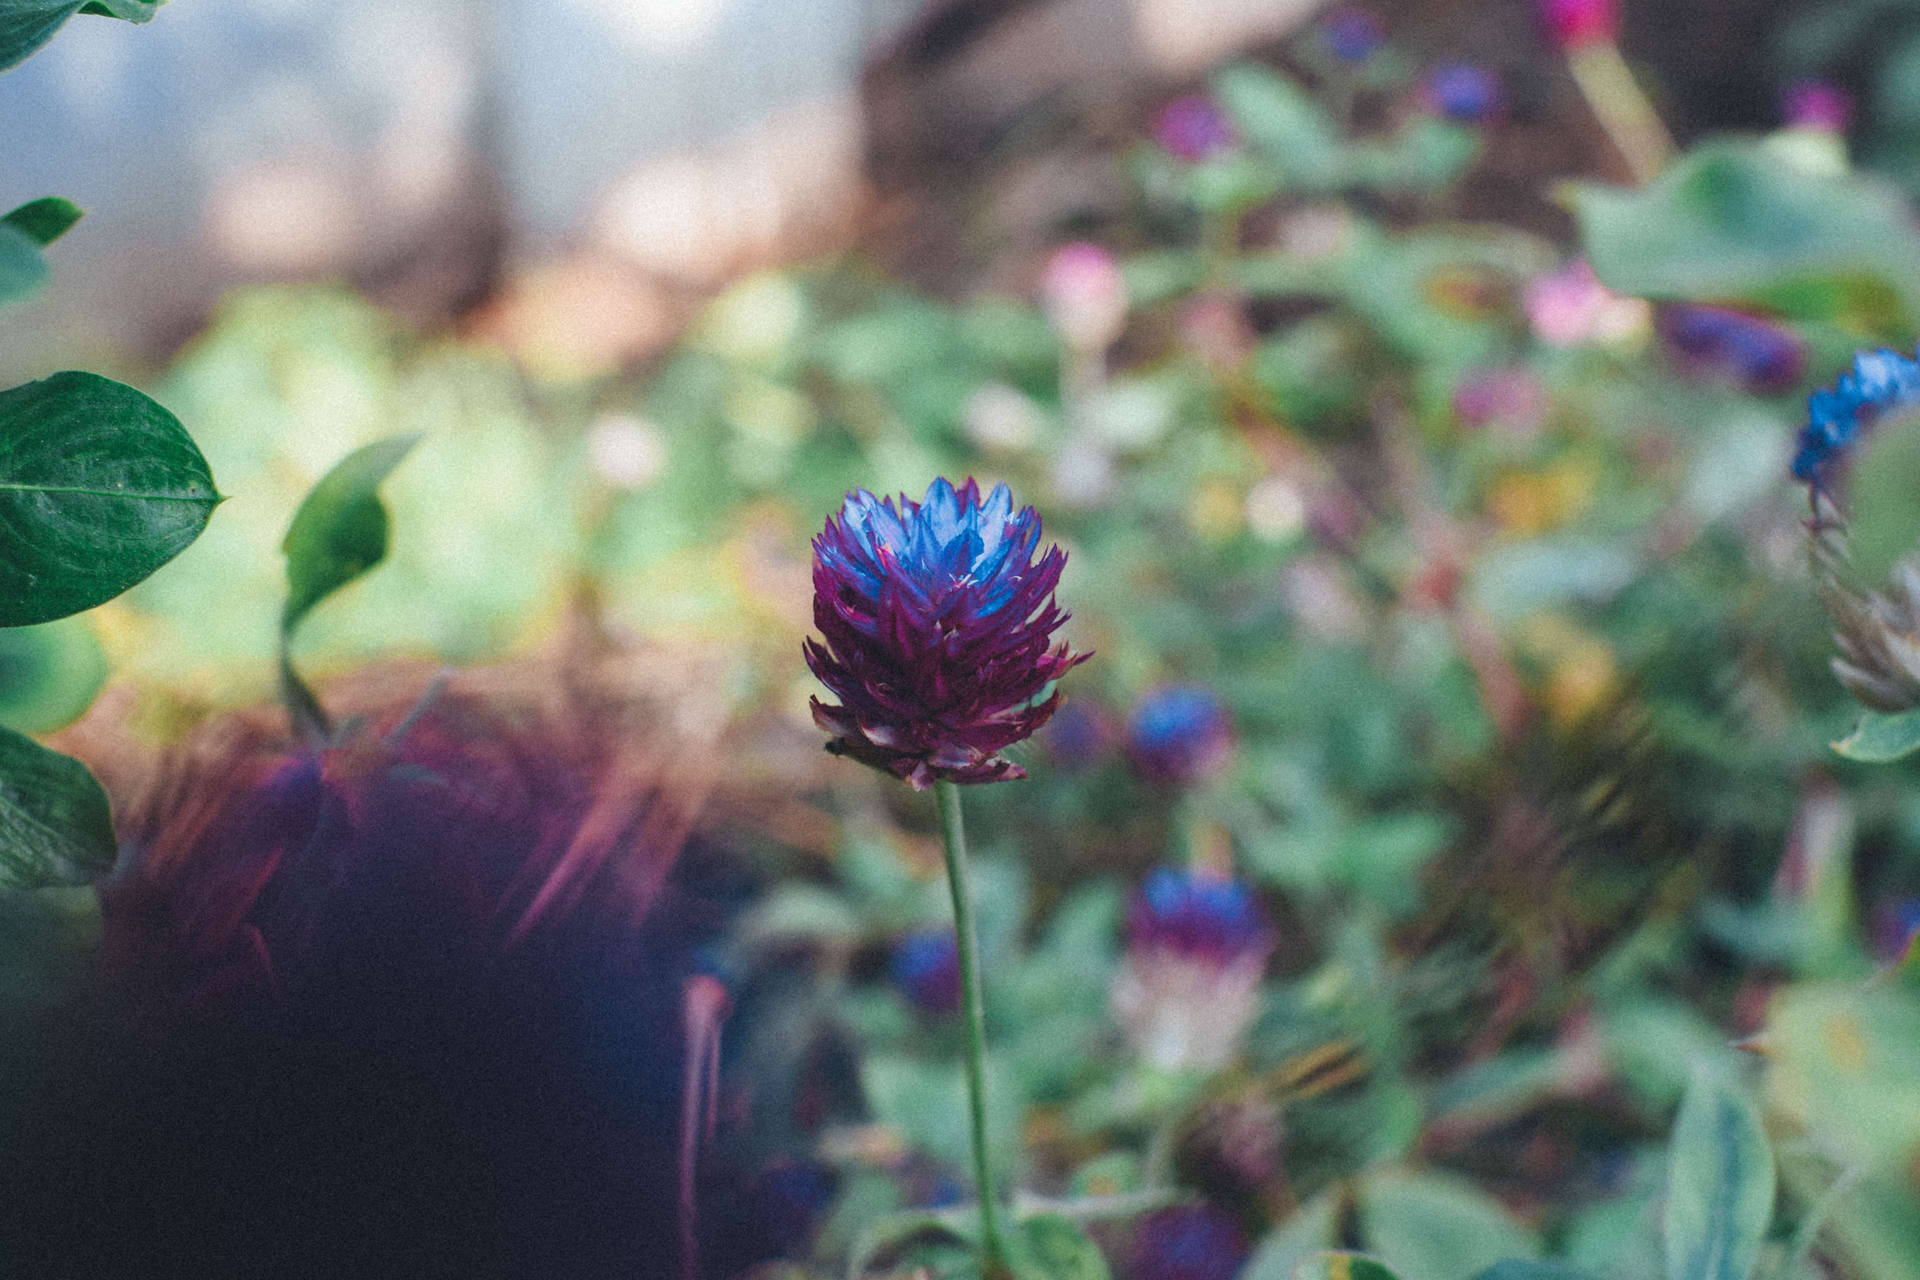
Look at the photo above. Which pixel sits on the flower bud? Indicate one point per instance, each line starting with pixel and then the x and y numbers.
pixel 1574 24
pixel 1084 296
pixel 1194 129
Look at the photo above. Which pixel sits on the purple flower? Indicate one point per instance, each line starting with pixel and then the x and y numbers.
pixel 938 628
pixel 1879 381
pixel 1193 129
pixel 1574 24
pixel 1755 354
pixel 1817 105
pixel 1179 734
pixel 1197 948
pixel 1198 915
pixel 1353 34
pixel 1894 925
pixel 1462 92
pixel 1078 737
pixel 925 966
pixel 1188 1242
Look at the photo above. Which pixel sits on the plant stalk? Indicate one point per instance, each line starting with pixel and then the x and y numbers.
pixel 993 1250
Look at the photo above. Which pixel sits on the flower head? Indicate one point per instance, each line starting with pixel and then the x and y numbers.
pixel 1836 417
pixel 1179 734
pixel 1193 129
pixel 1189 1242
pixel 937 626
pixel 1354 34
pixel 1570 308
pixel 1463 92
pixel 1817 105
pixel 1749 351
pixel 925 967
pixel 1084 296
pixel 1079 737
pixel 1574 24
pixel 1197 947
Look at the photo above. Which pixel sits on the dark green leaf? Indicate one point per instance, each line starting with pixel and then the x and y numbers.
pixel 25 25
pixel 23 271
pixel 99 486
pixel 1730 222
pixel 48 674
pixel 1050 1247
pixel 1342 1265
pixel 1880 737
pixel 55 828
pixel 1719 1182
pixel 49 943
pixel 44 220
pixel 340 530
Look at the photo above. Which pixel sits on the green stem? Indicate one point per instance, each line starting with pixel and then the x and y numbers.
pixel 1607 83
pixel 993 1251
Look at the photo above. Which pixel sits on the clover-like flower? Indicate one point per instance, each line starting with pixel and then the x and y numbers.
pixel 1194 129
pixel 937 626
pixel 1748 351
pixel 1879 381
pixel 1189 1242
pixel 1197 948
pixel 1179 734
pixel 1463 92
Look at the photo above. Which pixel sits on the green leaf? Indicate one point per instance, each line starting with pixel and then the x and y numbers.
pixel 1051 1247
pixel 1884 520
pixel 1529 1269
pixel 23 272
pixel 1719 1182
pixel 44 220
pixel 55 828
pixel 340 530
pixel 1841 1066
pixel 25 25
pixel 49 674
pixel 1880 737
pixel 1313 1228
pixel 1433 1227
pixel 1336 1264
pixel 1730 222
pixel 899 1229
pixel 99 486
pixel 1293 132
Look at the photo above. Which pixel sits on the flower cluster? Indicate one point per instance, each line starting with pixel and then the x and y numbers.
pixel 1747 350
pixel 1189 1242
pixel 1353 34
pixel 1179 734
pixel 925 967
pixel 937 624
pixel 1879 381
pixel 1194 129
pixel 1463 92
pixel 1197 947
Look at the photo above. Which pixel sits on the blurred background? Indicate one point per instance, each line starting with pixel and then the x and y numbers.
pixel 1414 386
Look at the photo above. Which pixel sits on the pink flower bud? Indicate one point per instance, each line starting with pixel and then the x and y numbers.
pixel 1084 295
